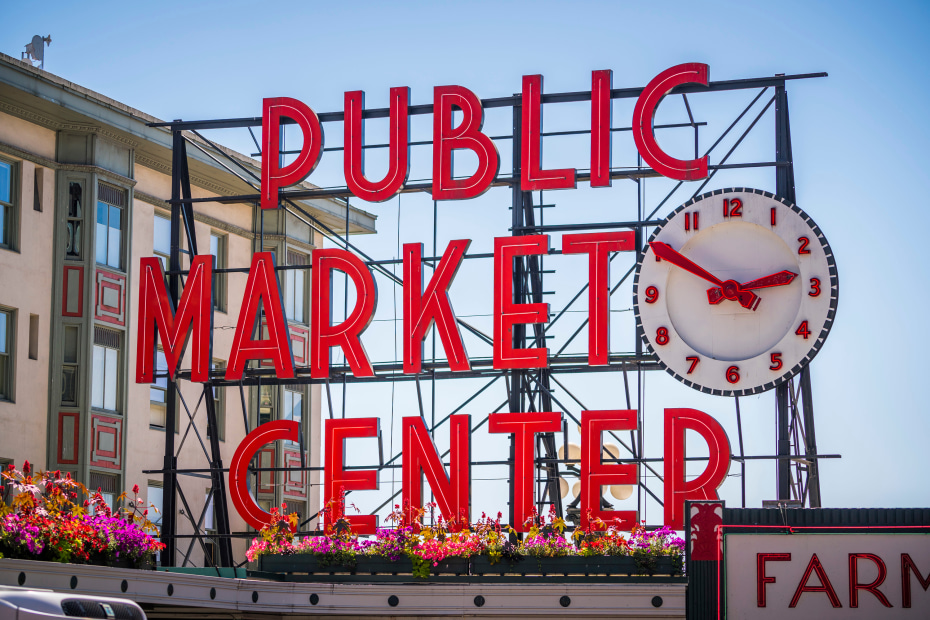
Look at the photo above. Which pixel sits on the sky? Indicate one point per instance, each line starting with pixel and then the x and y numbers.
pixel 859 142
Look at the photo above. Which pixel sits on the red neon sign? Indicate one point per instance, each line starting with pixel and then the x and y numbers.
pixel 195 313
pixel 274 176
pixel 467 135
pixel 422 309
pixel 324 335
pixel 398 149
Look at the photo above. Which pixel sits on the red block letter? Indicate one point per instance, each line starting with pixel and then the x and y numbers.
pixel 523 427
pixel 336 479
pixel 239 467
pixel 274 176
pixel 601 120
pixel 644 134
pixel 598 245
pixel 907 566
pixel 825 586
pixel 452 492
pixel 354 162
pixel 855 586
pixel 323 336
pixel 596 474
pixel 532 176
pixel 506 312
pixel 196 308
pixel 421 310
pixel 262 291
pixel 761 578
pixel 677 489
pixel 466 136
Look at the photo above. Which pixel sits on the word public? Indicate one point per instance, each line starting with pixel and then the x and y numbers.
pixel 467 135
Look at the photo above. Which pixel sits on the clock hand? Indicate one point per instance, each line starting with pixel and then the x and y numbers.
pixel 730 289
pixel 715 294
pixel 665 252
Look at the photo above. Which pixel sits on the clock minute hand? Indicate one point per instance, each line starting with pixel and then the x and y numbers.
pixel 665 252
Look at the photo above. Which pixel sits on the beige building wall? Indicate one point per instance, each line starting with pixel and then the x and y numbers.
pixel 64 144
pixel 25 288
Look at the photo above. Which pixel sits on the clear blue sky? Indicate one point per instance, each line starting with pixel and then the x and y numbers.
pixel 860 146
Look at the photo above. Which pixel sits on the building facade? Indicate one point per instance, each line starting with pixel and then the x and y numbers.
pixel 83 189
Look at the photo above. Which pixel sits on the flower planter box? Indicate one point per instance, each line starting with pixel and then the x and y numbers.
pixel 575 565
pixel 311 564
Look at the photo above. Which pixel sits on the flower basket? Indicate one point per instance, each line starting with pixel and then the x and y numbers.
pixel 577 565
pixel 312 564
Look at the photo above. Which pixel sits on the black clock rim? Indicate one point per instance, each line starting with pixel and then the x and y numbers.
pixel 818 343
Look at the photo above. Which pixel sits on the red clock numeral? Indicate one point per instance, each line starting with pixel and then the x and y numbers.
pixel 662 336
pixel 803 330
pixel 733 208
pixel 772 217
pixel 815 287
pixel 688 221
pixel 733 374
pixel 652 295
pixel 802 248
pixel 694 362
pixel 776 361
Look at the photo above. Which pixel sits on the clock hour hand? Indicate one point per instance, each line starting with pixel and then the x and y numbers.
pixel 715 294
pixel 730 289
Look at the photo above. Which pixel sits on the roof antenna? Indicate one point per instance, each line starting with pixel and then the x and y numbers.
pixel 35 51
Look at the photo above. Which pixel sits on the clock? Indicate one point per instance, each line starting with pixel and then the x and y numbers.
pixel 735 292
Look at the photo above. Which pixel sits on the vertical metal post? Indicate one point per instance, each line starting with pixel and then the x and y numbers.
pixel 810 448
pixel 219 483
pixel 784 186
pixel 519 331
pixel 169 477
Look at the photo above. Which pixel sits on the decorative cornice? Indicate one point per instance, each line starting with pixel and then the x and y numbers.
pixel 29 115
pixel 212 222
pixel 15 151
pixel 197 180
pixel 100 131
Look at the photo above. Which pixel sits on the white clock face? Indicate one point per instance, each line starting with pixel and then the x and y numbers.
pixel 736 292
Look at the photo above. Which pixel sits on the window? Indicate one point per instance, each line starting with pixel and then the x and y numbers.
pixel 266 398
pixel 219 403
pixel 110 226
pixel 161 244
pixel 295 293
pixel 7 330
pixel 69 367
pixel 294 409
pixel 33 336
pixel 158 391
pixel 106 369
pixel 218 250
pixel 7 208
pixel 107 484
pixel 74 244
pixel 154 495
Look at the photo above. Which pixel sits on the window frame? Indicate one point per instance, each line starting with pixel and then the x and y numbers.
pixel 219 279
pixel 117 387
pixel 155 251
pixel 124 224
pixel 287 412
pixel 219 402
pixel 11 226
pixel 10 354
pixel 291 293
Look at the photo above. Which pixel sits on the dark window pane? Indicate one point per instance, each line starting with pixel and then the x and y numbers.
pixel 71 345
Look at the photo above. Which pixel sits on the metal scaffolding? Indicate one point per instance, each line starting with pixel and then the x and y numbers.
pixel 527 390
